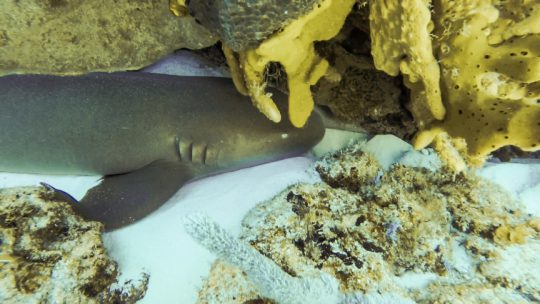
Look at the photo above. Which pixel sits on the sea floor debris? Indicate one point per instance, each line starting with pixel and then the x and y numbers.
pixel 409 229
pixel 50 255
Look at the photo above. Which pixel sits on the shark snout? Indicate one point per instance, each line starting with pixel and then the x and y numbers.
pixel 301 140
pixel 272 142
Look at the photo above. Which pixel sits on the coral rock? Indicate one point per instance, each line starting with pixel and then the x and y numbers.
pixel 74 36
pixel 376 231
pixel 50 255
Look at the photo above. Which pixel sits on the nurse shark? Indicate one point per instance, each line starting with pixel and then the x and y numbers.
pixel 147 134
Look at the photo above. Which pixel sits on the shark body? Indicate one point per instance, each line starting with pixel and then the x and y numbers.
pixel 148 134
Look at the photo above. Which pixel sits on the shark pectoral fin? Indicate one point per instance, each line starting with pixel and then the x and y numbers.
pixel 120 200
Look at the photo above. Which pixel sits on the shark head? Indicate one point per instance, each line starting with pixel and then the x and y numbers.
pixel 242 137
pixel 252 144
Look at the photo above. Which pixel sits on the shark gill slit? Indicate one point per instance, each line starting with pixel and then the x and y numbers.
pixel 198 153
pixel 184 149
pixel 190 151
pixel 203 156
pixel 178 143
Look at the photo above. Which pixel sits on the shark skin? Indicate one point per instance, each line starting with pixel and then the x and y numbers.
pixel 148 134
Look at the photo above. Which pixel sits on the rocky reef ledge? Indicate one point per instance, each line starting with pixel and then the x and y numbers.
pixel 406 231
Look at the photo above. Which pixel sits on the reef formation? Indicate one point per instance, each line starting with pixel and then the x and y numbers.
pixel 410 230
pixel 291 45
pixel 50 255
pixel 472 68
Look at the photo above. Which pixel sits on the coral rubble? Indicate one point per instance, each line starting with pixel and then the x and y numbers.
pixel 74 37
pixel 375 227
pixel 50 255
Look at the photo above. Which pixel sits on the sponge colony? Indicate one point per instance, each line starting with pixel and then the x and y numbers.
pixel 293 48
pixel 490 80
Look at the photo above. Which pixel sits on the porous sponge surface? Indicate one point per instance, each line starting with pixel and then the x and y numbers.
pixel 401 42
pixel 244 24
pixel 490 82
pixel 473 68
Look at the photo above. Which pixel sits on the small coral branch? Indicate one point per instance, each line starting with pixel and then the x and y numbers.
pixel 272 281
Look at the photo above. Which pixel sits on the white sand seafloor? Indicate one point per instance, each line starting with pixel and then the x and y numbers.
pixel 177 265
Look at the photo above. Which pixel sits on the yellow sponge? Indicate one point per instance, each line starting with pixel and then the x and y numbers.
pixel 293 48
pixel 490 84
pixel 401 42
pixel 473 68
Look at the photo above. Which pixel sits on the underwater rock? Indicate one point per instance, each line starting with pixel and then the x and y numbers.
pixel 358 96
pixel 363 96
pixel 271 281
pixel 228 284
pixel 50 255
pixel 375 227
pixel 508 153
pixel 74 36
